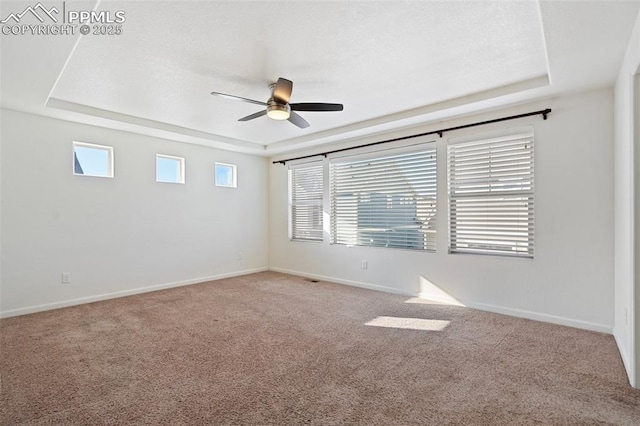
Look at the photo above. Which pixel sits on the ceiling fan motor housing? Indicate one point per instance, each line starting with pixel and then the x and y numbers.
pixel 278 111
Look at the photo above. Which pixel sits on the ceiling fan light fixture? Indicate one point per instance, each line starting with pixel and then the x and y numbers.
pixel 278 106
pixel 277 111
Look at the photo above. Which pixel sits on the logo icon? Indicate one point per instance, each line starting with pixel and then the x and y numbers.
pixel 33 10
pixel 42 20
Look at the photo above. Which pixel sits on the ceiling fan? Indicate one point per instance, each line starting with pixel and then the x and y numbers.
pixel 278 106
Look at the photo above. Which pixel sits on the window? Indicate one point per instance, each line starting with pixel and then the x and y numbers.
pixel 169 169
pixel 92 160
pixel 226 175
pixel 305 202
pixel 386 200
pixel 491 196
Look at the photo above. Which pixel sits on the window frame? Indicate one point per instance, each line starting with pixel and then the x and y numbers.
pixel 520 201
pixel 181 168
pixel 290 207
pixel 110 158
pixel 428 205
pixel 234 174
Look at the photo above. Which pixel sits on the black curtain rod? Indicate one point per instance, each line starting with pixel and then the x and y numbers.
pixel 543 112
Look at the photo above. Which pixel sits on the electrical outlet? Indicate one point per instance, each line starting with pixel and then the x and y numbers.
pixel 365 264
pixel 66 278
pixel 625 318
pixel 240 255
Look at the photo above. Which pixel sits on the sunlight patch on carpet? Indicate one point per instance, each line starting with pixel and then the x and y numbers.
pixel 409 323
pixel 430 291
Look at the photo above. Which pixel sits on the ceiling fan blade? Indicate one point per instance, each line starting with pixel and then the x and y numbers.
pixel 238 98
pixel 254 115
pixel 282 90
pixel 298 121
pixel 316 106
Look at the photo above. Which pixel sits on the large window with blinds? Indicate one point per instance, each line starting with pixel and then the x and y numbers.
pixel 306 192
pixel 387 199
pixel 491 202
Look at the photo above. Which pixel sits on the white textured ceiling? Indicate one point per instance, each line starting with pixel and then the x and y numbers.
pixel 392 64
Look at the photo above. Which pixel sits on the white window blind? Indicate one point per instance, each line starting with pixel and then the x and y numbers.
pixel 386 201
pixel 491 196
pixel 305 202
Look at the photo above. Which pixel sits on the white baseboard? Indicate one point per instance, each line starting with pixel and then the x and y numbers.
pixel 585 325
pixel 481 306
pixel 116 294
pixel 347 282
pixel 626 359
pixel 554 319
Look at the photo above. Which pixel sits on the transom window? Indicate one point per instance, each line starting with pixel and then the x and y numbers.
pixel 226 175
pixel 169 169
pixel 92 160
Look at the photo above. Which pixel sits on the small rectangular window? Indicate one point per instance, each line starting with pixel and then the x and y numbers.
pixel 491 202
pixel 226 175
pixel 305 202
pixel 169 169
pixel 92 160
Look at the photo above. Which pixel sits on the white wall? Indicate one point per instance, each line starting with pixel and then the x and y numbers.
pixel 635 316
pixel 627 285
pixel 122 235
pixel 570 280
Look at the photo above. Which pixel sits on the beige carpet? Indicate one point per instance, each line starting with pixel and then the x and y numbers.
pixel 270 348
